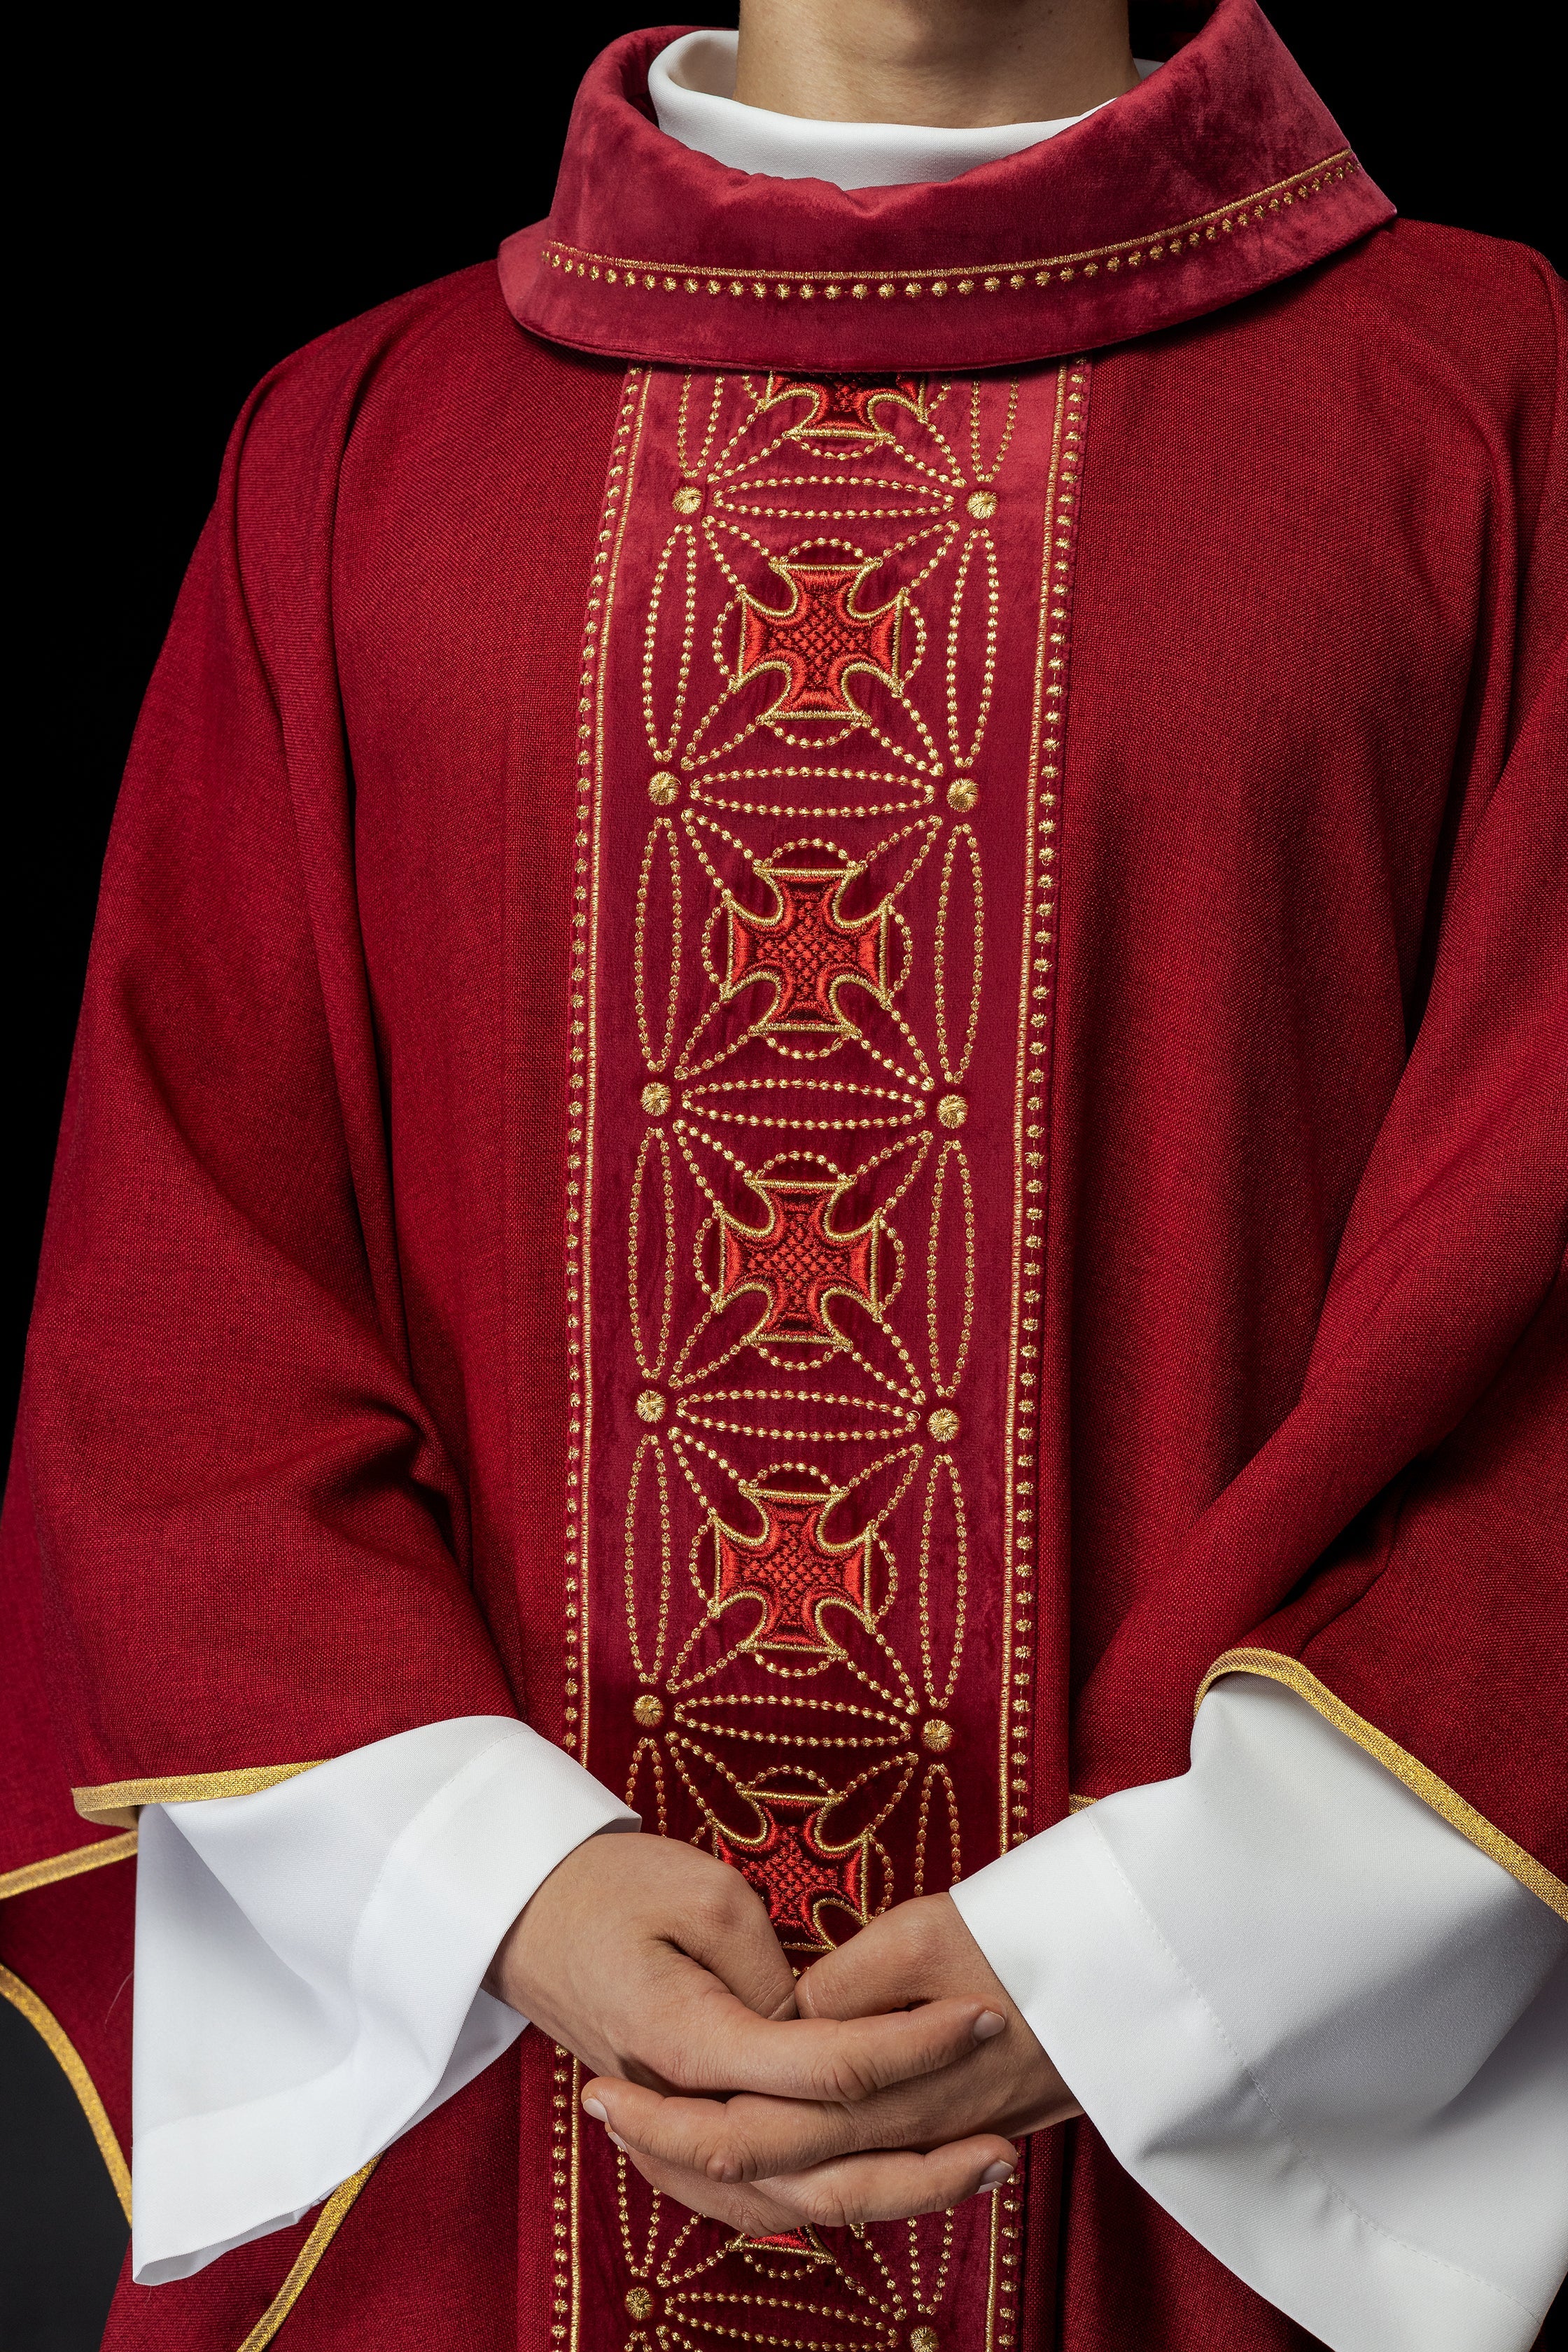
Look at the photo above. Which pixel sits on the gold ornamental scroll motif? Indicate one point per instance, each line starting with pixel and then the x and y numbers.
pixel 823 695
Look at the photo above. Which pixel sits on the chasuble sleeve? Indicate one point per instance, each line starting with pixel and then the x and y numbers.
pixel 309 1968
pixel 1314 2021
pixel 252 1534
pixel 1393 1550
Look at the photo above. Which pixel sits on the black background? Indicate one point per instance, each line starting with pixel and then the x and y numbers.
pixel 203 201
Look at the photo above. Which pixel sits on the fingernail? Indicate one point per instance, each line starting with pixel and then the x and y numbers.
pixel 987 2025
pixel 614 2142
pixel 598 2109
pixel 994 2175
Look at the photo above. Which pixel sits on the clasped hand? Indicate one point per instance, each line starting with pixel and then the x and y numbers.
pixel 894 2079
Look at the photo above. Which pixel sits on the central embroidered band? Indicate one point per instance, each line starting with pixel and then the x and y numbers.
pixel 822 711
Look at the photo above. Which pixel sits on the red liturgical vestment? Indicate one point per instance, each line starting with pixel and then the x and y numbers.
pixel 824 1046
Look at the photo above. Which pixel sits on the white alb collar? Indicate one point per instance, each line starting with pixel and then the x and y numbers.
pixel 693 86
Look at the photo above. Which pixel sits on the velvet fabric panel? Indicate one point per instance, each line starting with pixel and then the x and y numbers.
pixel 1222 172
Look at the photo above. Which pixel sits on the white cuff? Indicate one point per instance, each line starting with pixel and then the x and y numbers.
pixel 308 1962
pixel 1314 2022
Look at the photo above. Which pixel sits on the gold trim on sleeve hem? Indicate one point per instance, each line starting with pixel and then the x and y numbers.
pixel 66 1865
pixel 328 2222
pixel 44 2021
pixel 116 1802
pixel 1416 1776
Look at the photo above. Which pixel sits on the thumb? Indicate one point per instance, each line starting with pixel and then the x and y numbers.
pixel 894 1963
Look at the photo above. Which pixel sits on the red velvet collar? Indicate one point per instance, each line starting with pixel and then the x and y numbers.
pixel 1221 173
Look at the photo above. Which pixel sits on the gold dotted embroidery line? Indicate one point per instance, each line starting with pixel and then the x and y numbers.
pixel 927 2305
pixel 651 1367
pixel 938 1772
pixel 661 833
pixel 647 1750
pixel 982 538
pixel 982 472
pixel 1202 233
pixel 955 1069
pixel 940 1700
pixel 694 464
pixel 563 2199
pixel 661 742
pixel 1037 1003
pixel 950 1154
pixel 649 1674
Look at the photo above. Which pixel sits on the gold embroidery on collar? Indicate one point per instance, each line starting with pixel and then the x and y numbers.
pixel 1204 232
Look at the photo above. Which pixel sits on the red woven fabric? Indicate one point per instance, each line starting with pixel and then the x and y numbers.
pixel 294 1468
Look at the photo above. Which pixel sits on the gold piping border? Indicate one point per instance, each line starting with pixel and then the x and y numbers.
pixel 116 1802
pixel 68 1866
pixel 329 2220
pixel 969 277
pixel 44 2021
pixel 1405 1767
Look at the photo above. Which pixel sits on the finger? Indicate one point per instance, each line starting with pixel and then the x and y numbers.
pixel 893 2186
pixel 723 2140
pixel 912 1954
pixel 724 2046
pixel 877 2187
pixel 747 2209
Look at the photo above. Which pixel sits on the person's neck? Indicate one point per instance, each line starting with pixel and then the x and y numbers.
pixel 954 63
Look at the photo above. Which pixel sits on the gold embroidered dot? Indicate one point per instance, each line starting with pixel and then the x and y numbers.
pixel 650 1406
pixel 649 1709
pixel 943 1425
pixel 982 505
pixel 953 1110
pixel 639 2303
pixel 963 793
pixel 654 1099
pixel 925 2339
pixel 663 789
pixel 688 498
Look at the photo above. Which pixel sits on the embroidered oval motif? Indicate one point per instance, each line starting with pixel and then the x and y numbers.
pixel 669 635
pixel 939 1855
pixel 959 954
pixel 944 1590
pixel 646 1789
pixel 650 1264
pixel 879 489
pixel 813 788
pixel 656 946
pixel 971 624
pixel 950 1270
pixel 992 417
pixel 648 1560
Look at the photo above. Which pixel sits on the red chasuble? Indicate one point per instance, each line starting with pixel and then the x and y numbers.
pixel 825 1044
